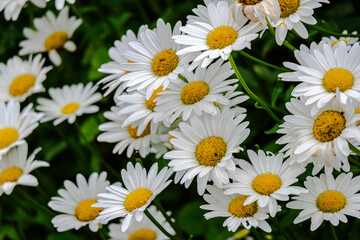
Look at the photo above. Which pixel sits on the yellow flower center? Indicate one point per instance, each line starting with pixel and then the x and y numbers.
pixel 343 40
pixel 137 199
pixel 210 151
pixel 357 111
pixel 236 207
pixel 84 212
pixel 221 37
pixel 143 234
pixel 164 62
pixel 330 201
pixel 70 108
pixel 133 131
pixel 10 174
pixel 194 92
pixel 266 183
pixel 338 78
pixel 56 40
pixel 150 103
pixel 329 125
pixel 288 7
pixel 8 136
pixel 249 2
pixel 22 84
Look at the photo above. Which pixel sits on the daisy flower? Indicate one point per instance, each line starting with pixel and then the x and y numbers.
pixel 144 229
pixel 292 16
pixel 69 102
pixel 75 203
pixel 204 148
pixel 320 138
pixel 323 70
pixel 50 35
pixel 131 201
pixel 328 199
pixel 215 34
pixel 126 137
pixel 59 4
pixel 15 125
pixel 256 10
pixel 139 111
pixel 12 8
pixel 348 40
pixel 266 180
pixel 153 59
pixel 15 168
pixel 19 79
pixel 112 68
pixel 201 93
pixel 236 212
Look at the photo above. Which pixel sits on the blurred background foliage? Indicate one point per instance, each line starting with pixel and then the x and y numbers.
pixel 73 149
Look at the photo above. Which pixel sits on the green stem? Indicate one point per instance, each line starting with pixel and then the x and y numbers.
pixel 256 233
pixel 35 203
pixel 281 230
pixel 285 43
pixel 354 149
pixel 157 224
pixel 182 78
pixel 283 69
pixel 88 27
pixel 102 236
pixel 353 161
pixel 333 233
pixel 323 30
pixel 168 219
pixel 250 93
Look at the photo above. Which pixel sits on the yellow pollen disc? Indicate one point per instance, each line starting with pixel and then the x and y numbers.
pixel 150 103
pixel 84 212
pixel 194 92
pixel 143 234
pixel 133 131
pixel 338 78
pixel 329 125
pixel 249 2
pixel 8 136
pixel 343 40
pixel 137 199
pixel 56 40
pixel 210 151
pixel 357 111
pixel 70 108
pixel 221 37
pixel 288 7
pixel 266 183
pixel 236 207
pixel 10 174
pixel 330 201
pixel 164 62
pixel 22 84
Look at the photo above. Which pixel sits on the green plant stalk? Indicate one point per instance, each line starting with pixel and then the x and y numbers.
pixel 256 233
pixel 323 30
pixel 285 43
pixel 250 93
pixel 158 225
pixel 333 233
pixel 35 203
pixel 354 149
pixel 281 230
pixel 353 161
pixel 283 69
pixel 168 219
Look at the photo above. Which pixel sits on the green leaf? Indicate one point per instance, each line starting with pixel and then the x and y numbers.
pixel 191 219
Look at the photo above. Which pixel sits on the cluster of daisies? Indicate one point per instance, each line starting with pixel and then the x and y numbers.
pixel 174 97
